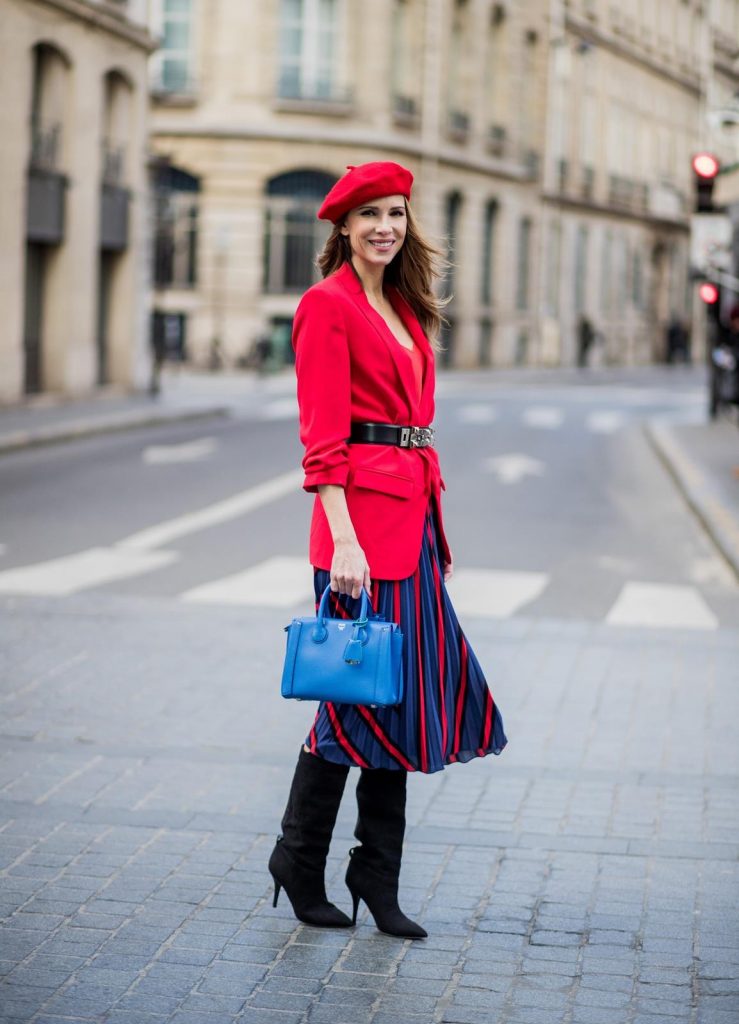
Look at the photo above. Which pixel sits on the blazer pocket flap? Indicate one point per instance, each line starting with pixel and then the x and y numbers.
pixel 386 483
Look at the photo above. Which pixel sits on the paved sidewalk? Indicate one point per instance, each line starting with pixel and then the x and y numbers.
pixel 703 459
pixel 185 395
pixel 589 875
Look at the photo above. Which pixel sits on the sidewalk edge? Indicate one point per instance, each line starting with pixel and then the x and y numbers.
pixel 74 431
pixel 718 521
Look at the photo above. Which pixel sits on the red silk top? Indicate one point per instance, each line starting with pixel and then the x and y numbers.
pixel 416 358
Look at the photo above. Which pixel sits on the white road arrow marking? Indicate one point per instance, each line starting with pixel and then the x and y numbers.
pixel 661 605
pixel 514 467
pixel 543 417
pixel 492 593
pixel 477 414
pixel 190 451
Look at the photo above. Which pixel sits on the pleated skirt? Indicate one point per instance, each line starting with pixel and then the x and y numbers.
pixel 447 714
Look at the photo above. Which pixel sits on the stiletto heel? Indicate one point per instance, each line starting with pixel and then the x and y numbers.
pixel 355 906
pixel 277 892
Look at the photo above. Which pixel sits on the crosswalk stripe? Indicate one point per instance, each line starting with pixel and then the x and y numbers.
pixel 607 421
pixel 69 574
pixel 543 417
pixel 494 593
pixel 281 409
pixel 477 413
pixel 661 605
pixel 275 583
pixel 190 451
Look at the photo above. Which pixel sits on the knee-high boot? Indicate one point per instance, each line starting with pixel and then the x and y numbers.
pixel 374 868
pixel 298 860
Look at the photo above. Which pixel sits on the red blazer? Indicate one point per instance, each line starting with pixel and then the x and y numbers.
pixel 351 368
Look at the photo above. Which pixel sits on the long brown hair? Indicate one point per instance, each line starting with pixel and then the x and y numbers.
pixel 412 272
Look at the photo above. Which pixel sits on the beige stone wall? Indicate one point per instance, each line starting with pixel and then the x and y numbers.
pixel 92 42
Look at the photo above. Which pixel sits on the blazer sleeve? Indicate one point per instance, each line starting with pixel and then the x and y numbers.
pixel 322 366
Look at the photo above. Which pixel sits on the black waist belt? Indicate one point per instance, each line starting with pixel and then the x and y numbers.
pixel 388 433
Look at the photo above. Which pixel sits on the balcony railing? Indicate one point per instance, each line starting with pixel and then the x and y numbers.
pixel 458 125
pixel 114 155
pixel 405 110
pixel 563 175
pixel 531 162
pixel 45 146
pixel 497 139
pixel 319 92
pixel 587 182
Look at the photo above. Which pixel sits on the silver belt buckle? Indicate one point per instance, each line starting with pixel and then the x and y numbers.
pixel 422 437
pixel 406 437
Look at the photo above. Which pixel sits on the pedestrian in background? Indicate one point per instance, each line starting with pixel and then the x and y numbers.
pixel 585 339
pixel 365 369
pixel 677 341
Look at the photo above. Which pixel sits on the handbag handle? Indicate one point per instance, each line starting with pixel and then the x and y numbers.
pixel 353 650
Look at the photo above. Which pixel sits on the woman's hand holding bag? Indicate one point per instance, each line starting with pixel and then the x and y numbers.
pixel 345 661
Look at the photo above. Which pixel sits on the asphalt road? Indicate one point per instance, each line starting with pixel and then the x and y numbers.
pixel 556 506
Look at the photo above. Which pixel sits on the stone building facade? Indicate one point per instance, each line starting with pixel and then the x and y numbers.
pixel 551 143
pixel 73 248
pixel 631 87
pixel 265 107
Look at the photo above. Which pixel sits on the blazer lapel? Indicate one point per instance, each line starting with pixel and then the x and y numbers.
pixel 401 359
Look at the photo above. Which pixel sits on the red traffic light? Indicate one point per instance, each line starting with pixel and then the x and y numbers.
pixel 705 165
pixel 709 293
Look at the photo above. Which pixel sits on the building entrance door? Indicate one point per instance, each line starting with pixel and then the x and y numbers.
pixel 105 281
pixel 33 317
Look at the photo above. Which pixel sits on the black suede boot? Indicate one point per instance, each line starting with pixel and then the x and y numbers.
pixel 298 860
pixel 374 868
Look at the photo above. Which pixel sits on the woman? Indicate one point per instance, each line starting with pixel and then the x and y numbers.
pixel 365 371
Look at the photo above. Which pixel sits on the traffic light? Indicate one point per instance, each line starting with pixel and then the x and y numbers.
pixel 709 292
pixel 705 169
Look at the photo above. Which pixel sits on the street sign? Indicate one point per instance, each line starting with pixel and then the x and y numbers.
pixel 710 242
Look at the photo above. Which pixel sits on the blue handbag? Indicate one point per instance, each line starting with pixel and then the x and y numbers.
pixel 348 661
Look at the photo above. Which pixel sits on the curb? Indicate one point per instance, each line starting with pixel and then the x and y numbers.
pixel 77 429
pixel 719 521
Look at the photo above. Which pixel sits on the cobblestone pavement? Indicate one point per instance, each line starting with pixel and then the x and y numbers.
pixel 590 875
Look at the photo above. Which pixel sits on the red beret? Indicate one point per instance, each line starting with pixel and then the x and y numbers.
pixel 362 183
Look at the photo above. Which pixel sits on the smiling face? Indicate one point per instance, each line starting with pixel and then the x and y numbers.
pixel 376 230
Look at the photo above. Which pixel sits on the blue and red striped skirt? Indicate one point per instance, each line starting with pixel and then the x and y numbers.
pixel 447 714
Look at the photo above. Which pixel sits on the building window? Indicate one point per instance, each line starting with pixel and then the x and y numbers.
pixel 459 71
pixel 405 63
pixel 524 257
pixel 581 268
pixel 486 283
pixel 495 81
pixel 452 209
pixel 309 42
pixel 554 254
pixel 637 280
pixel 173 60
pixel 606 283
pixel 292 235
pixel 176 199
